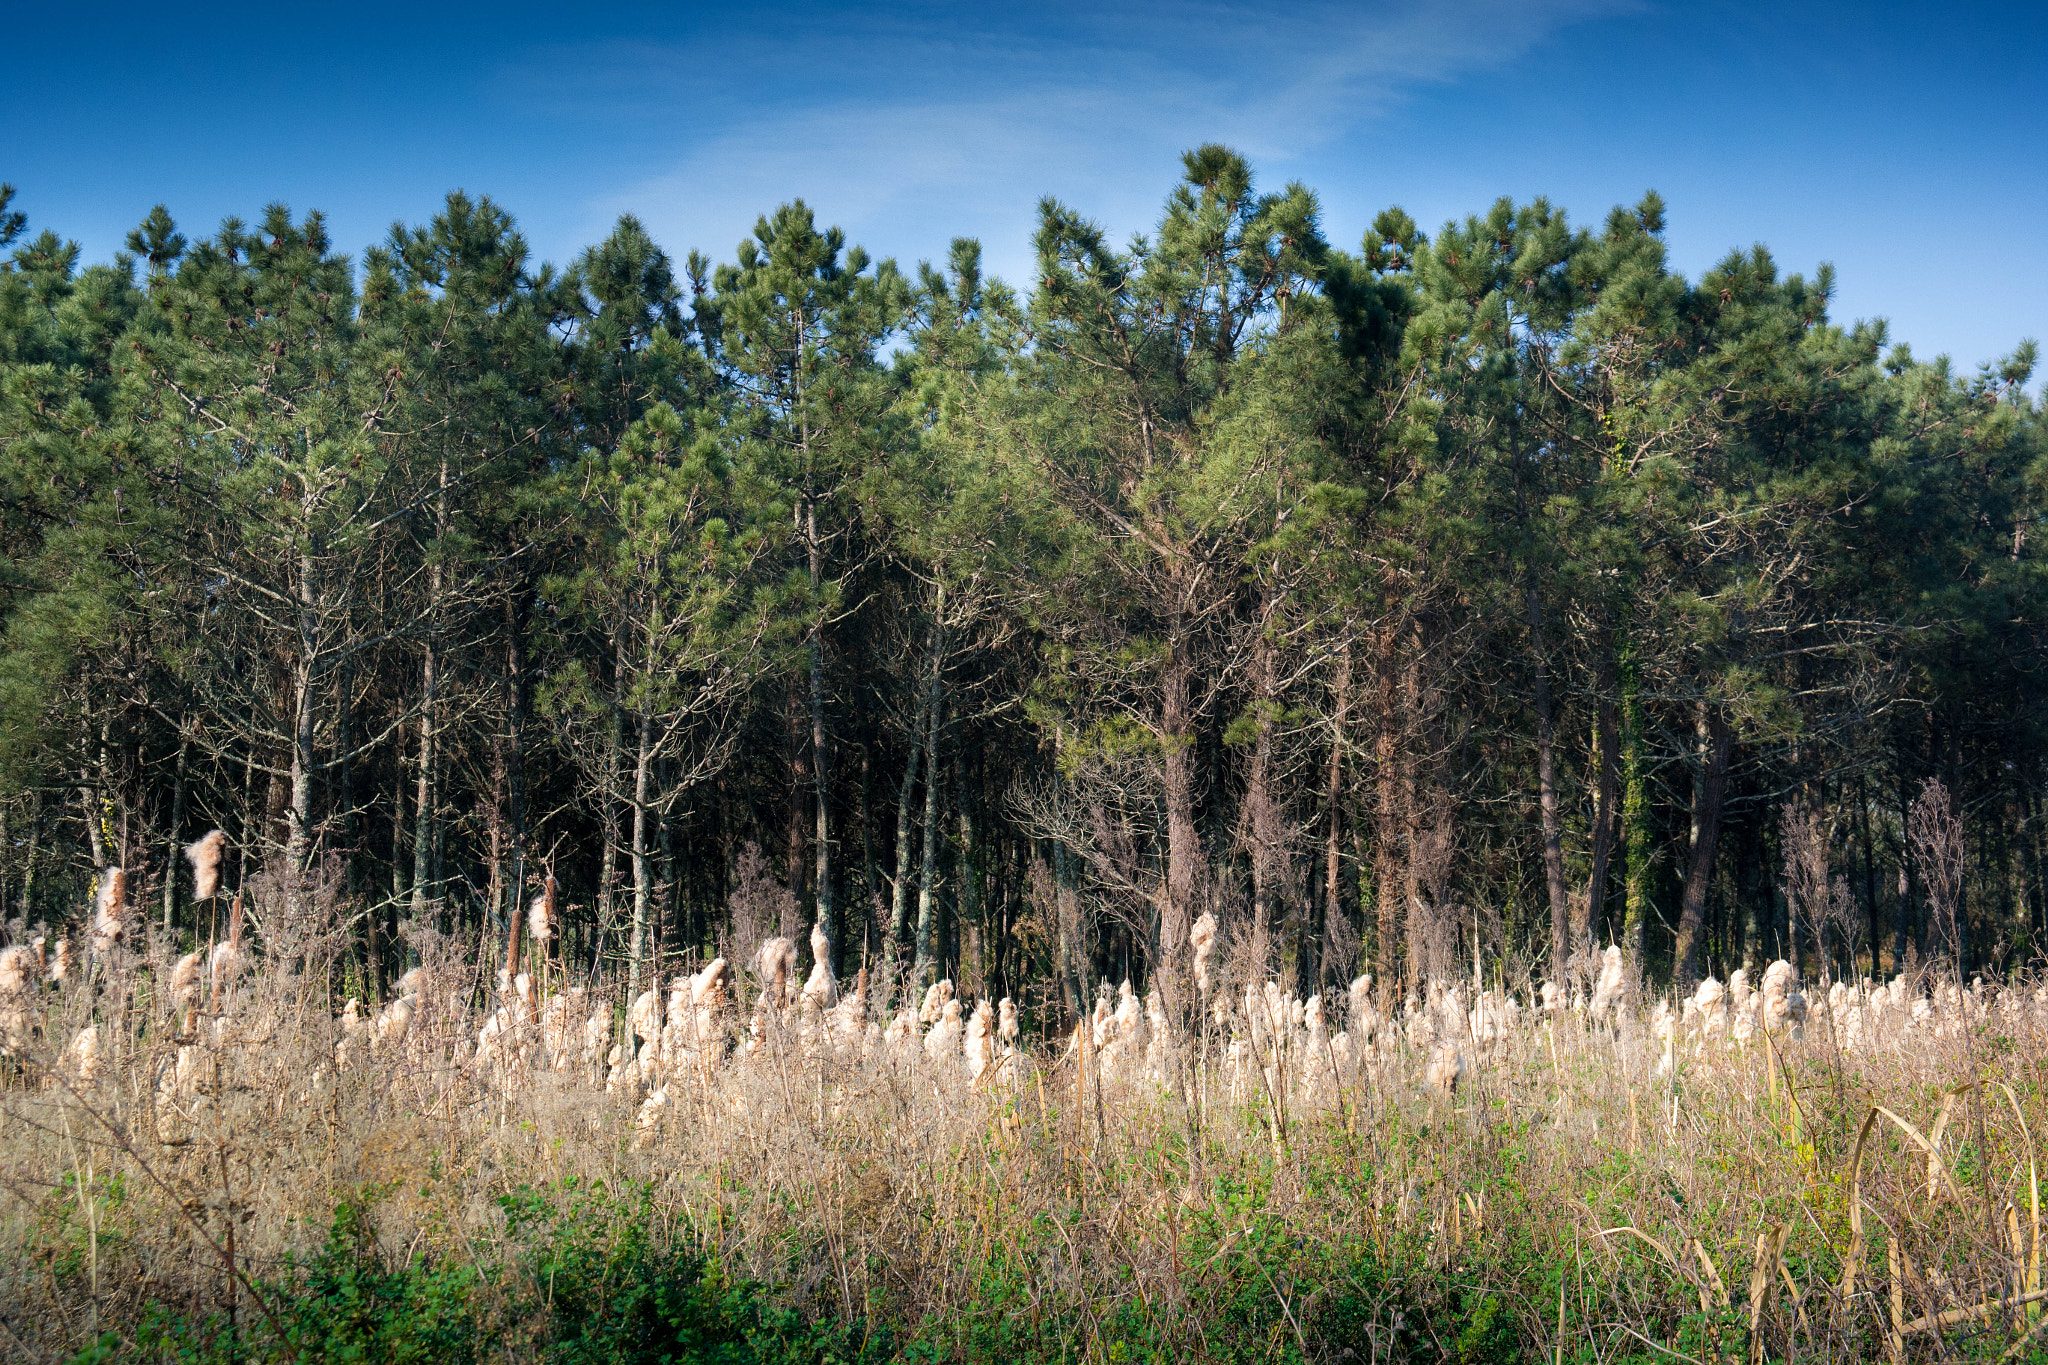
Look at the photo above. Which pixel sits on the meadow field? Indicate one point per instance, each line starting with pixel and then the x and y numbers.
pixel 211 1159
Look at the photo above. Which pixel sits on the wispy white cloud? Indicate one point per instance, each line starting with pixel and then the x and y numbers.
pixel 913 126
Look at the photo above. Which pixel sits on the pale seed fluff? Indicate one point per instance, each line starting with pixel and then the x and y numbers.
pixel 109 921
pixel 185 980
pixel 82 1057
pixel 17 969
pixel 821 992
pixel 205 855
pixel 540 926
pixel 1203 937
pixel 778 967
pixel 226 961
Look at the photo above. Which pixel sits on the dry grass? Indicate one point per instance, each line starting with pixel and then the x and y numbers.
pixel 1791 1199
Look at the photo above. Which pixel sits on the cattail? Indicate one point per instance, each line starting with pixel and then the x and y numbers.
pixel 17 971
pixel 205 856
pixel 1784 1004
pixel 1006 1030
pixel 110 917
pixel 1442 1074
pixel 393 1021
pixel 511 967
pixel 981 1043
pixel 942 1044
pixel 185 979
pixel 540 922
pixel 60 962
pixel 597 1031
pixel 644 1017
pixel 711 988
pixel 647 1123
pixel 1203 937
pixel 821 992
pixel 1612 987
pixel 778 965
pixel 225 962
pixel 901 1030
pixel 82 1056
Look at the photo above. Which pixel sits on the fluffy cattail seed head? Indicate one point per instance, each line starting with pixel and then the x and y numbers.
pixel 1203 937
pixel 540 920
pixel 185 980
pixel 60 961
pixel 110 918
pixel 205 856
pixel 17 969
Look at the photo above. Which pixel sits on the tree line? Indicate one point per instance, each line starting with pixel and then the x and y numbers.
pixel 1450 603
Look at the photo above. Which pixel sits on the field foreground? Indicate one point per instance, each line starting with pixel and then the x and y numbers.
pixel 227 1168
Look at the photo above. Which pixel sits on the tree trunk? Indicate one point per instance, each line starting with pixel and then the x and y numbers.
pixel 1546 799
pixel 1261 808
pixel 641 763
pixel 927 905
pixel 177 821
pixel 1390 910
pixel 899 892
pixel 1333 812
pixel 1606 816
pixel 1635 818
pixel 1184 856
pixel 1710 789
pixel 515 746
pixel 424 797
pixel 967 868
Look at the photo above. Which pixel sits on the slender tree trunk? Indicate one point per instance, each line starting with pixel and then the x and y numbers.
pixel 1390 911
pixel 29 860
pixel 515 745
pixel 1261 807
pixel 1546 799
pixel 870 902
pixel 801 793
pixel 927 701
pixel 1067 898
pixel 177 820
pixel 1184 857
pixel 299 815
pixel 1635 817
pixel 1710 789
pixel 1333 795
pixel 927 903
pixel 899 893
pixel 1606 816
pixel 424 796
pixel 641 888
pixel 426 801
pixel 966 862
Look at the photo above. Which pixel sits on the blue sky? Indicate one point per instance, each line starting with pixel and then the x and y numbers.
pixel 1904 144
